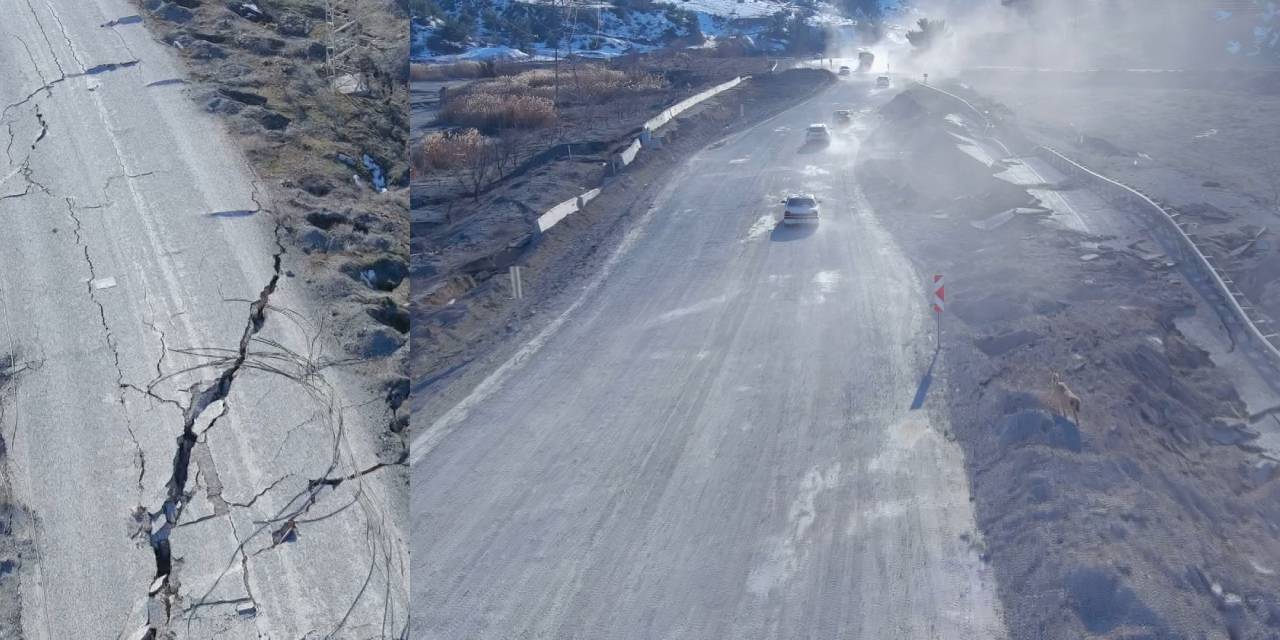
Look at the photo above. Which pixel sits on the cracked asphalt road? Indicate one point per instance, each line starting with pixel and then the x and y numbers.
pixel 714 440
pixel 179 415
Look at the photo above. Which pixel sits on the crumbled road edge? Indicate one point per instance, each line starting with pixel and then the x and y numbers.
pixel 15 520
pixel 321 157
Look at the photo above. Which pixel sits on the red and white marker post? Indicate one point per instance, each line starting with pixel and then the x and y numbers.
pixel 938 301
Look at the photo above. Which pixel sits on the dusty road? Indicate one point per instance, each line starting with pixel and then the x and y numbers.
pixel 175 416
pixel 715 439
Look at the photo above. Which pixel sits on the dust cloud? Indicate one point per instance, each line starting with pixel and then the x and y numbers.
pixel 1075 35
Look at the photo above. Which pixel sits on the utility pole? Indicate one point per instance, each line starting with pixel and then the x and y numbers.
pixel 344 43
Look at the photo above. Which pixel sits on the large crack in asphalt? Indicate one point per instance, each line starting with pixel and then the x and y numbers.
pixel 46 84
pixel 109 337
pixel 204 399
pixel 201 400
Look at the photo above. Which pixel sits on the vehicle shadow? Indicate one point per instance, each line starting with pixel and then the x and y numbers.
pixel 787 233
pixel 812 147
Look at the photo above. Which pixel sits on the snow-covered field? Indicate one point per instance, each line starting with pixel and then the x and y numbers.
pixel 615 32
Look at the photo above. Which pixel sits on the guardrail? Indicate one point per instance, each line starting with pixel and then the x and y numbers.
pixel 1230 304
pixel 987 124
pixel 684 105
pixel 982 115
pixel 559 212
pixel 628 155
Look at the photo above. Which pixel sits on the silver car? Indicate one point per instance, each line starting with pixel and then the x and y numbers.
pixel 817 133
pixel 800 209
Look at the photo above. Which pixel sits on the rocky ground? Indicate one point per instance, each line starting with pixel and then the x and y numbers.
pixel 462 303
pixel 334 164
pixel 1149 516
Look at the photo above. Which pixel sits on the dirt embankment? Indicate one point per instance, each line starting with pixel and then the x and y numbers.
pixel 334 164
pixel 1149 516
pixel 462 304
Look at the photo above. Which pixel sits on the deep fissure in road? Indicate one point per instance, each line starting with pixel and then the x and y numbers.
pixel 201 400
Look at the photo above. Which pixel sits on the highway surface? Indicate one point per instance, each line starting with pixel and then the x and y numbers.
pixel 172 416
pixel 714 439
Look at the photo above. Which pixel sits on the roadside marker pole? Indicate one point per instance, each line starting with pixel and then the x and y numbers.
pixel 939 299
pixel 517 283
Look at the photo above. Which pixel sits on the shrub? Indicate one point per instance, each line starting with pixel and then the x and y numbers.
pixel 929 33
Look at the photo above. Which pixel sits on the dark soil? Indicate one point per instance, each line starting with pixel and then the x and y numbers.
pixel 1150 517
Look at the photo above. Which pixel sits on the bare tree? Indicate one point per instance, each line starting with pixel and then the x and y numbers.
pixel 928 33
pixel 478 163
pixel 511 146
pixel 470 157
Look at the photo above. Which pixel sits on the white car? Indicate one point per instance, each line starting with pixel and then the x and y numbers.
pixel 882 82
pixel 844 71
pixel 817 133
pixel 800 209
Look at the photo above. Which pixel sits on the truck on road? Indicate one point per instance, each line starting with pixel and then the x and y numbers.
pixel 865 60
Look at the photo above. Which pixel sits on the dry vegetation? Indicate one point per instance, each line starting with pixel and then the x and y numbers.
pixel 497 119
pixel 451 71
pixel 492 113
pixel 528 100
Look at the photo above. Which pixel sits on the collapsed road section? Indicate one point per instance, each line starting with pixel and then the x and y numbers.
pixel 174 410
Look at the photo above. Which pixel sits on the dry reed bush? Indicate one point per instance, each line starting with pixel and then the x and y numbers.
pixel 492 112
pixel 582 83
pixel 451 71
pixel 448 151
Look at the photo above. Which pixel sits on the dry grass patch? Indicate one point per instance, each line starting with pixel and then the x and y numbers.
pixel 450 71
pixel 493 112
pixel 526 100
pixel 448 151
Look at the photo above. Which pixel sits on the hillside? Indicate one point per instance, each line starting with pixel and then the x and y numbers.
pixel 447 30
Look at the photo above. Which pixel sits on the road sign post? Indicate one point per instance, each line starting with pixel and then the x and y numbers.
pixel 938 300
